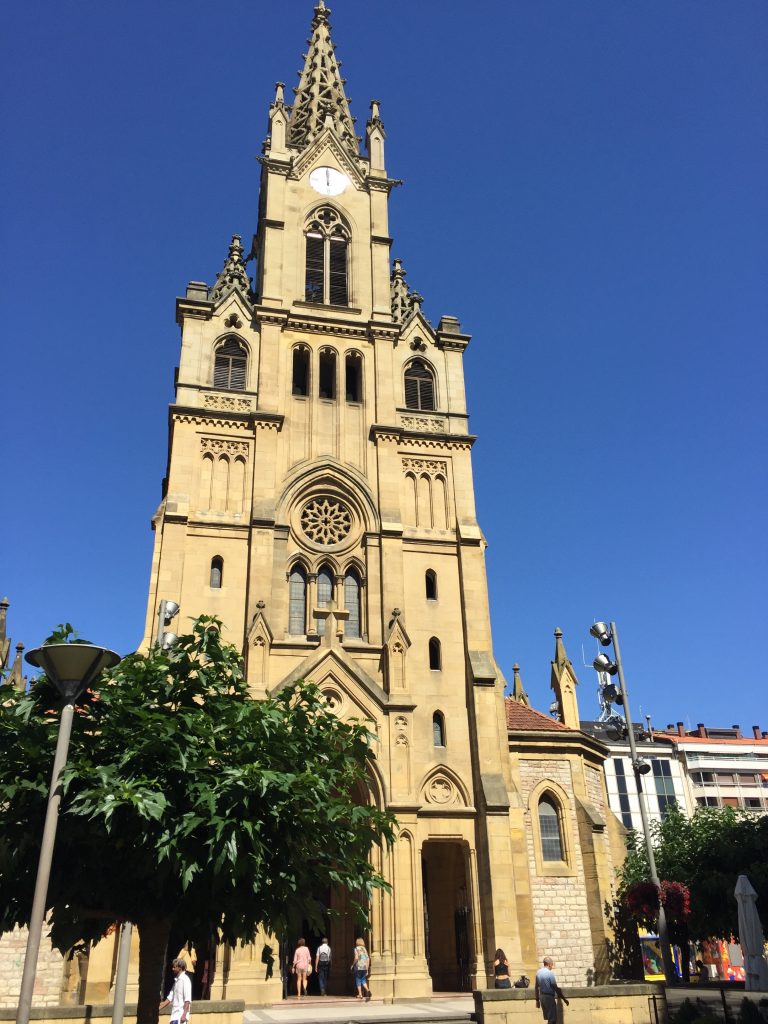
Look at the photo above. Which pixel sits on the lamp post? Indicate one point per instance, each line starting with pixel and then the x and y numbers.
pixel 165 613
pixel 607 635
pixel 71 668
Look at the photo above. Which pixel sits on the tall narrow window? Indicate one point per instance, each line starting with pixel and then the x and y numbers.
pixel 419 386
pixel 353 377
pixel 327 257
pixel 327 375
pixel 352 603
pixel 217 572
pixel 297 601
pixel 324 594
pixel 434 654
pixel 314 290
pixel 230 364
pixel 430 584
pixel 337 274
pixel 549 827
pixel 300 382
pixel 438 729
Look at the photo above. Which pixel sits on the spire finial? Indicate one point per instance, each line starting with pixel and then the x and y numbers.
pixel 233 276
pixel 321 89
pixel 518 690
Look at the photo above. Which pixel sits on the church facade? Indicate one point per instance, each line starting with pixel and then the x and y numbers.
pixel 319 500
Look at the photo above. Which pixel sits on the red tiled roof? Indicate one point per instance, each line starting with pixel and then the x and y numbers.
pixel 526 719
pixel 710 740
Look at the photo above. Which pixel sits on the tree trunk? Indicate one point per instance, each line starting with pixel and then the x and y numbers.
pixel 153 945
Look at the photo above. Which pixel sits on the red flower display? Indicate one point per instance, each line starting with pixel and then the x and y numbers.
pixel 676 899
pixel 644 898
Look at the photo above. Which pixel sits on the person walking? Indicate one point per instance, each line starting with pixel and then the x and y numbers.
pixel 323 965
pixel 361 965
pixel 548 991
pixel 302 966
pixel 501 970
pixel 180 997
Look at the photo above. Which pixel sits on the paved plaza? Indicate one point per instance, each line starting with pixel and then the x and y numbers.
pixel 451 1009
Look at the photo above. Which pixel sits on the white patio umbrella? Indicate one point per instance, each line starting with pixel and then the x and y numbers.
pixel 751 937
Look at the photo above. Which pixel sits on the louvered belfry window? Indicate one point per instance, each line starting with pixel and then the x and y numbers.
pixel 315 284
pixel 419 386
pixel 229 369
pixel 327 278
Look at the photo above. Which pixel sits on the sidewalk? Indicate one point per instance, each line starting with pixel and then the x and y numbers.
pixel 449 1009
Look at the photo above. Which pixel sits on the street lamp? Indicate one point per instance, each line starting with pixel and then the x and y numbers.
pixel 71 668
pixel 606 635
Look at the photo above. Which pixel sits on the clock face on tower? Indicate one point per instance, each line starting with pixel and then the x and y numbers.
pixel 328 181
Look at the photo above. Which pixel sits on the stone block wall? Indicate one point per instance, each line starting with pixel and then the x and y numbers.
pixel 50 971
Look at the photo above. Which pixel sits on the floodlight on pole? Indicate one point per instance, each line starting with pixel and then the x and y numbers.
pixel 640 767
pixel 71 668
pixel 166 611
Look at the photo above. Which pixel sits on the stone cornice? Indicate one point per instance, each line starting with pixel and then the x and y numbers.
pixel 381 432
pixel 268 222
pixel 382 240
pixel 315 325
pixel 209 417
pixel 196 309
pixel 275 166
pixel 239 420
pixel 546 743
pixel 382 184
pixel 270 315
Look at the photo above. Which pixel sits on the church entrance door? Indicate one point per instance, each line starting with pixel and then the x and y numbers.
pixel 447 917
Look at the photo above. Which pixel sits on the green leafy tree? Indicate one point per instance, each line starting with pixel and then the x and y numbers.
pixel 707 853
pixel 187 804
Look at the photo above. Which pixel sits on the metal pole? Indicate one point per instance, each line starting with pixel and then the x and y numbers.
pixel 160 624
pixel 670 974
pixel 121 977
pixel 44 867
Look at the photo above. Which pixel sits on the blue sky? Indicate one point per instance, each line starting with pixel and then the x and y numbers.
pixel 585 188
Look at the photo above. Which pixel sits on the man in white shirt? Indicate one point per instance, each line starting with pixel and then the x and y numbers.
pixel 180 996
pixel 323 965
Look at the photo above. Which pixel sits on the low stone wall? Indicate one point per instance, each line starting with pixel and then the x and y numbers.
pixel 222 1011
pixel 601 1004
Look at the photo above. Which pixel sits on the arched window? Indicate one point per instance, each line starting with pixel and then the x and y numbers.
pixel 549 829
pixel 419 386
pixel 352 603
pixel 327 255
pixel 324 594
pixel 430 584
pixel 327 376
pixel 297 601
pixel 353 377
pixel 217 572
pixel 230 364
pixel 300 381
pixel 438 729
pixel 434 654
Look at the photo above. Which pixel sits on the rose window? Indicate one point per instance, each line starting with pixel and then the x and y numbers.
pixel 326 521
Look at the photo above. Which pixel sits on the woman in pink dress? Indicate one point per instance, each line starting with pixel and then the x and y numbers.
pixel 302 960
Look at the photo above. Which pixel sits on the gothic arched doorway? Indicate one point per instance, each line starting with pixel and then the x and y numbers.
pixel 447 924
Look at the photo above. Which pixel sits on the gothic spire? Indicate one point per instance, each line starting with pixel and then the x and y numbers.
pixel 320 97
pixel 518 690
pixel 233 276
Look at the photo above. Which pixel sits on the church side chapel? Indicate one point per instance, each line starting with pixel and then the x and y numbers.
pixel 319 499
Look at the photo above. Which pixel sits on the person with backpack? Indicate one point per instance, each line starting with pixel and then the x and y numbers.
pixel 361 965
pixel 323 965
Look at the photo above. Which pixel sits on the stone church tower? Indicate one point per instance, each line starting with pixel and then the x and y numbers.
pixel 319 500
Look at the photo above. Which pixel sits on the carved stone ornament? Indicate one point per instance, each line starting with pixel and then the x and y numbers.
pixel 431 466
pixel 441 791
pixel 223 446
pixel 227 402
pixel 326 520
pixel 333 699
pixel 401 722
pixel 425 424
pixel 233 320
